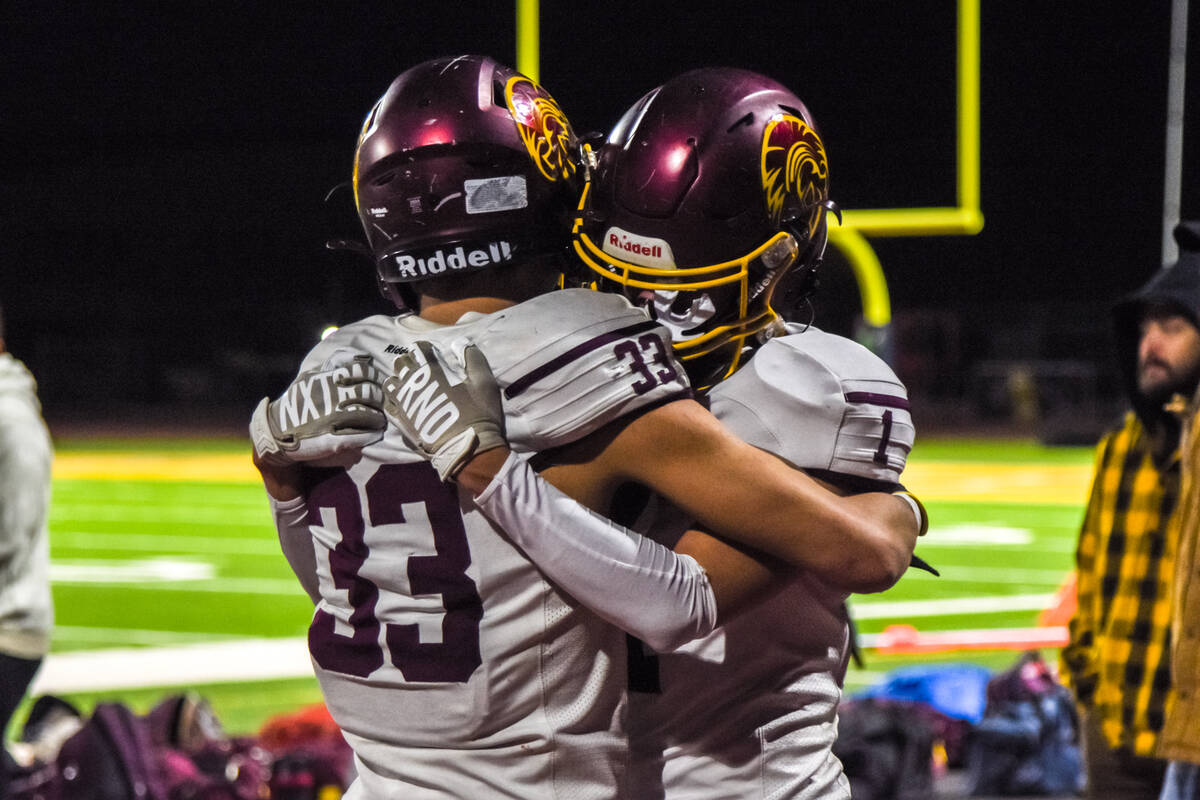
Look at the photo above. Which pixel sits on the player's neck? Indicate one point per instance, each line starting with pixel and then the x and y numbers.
pixel 448 312
pixel 445 300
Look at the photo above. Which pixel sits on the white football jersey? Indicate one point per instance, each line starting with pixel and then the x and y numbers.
pixel 453 667
pixel 750 711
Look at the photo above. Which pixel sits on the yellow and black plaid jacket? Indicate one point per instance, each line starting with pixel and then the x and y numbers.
pixel 1117 656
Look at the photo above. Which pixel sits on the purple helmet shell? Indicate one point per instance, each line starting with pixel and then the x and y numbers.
pixel 707 192
pixel 463 165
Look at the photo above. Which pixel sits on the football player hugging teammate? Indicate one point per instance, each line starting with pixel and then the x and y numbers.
pixel 466 647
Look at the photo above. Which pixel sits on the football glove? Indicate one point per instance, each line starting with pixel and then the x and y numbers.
pixel 326 411
pixel 448 423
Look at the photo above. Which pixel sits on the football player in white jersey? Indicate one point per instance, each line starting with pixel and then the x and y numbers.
pixel 453 666
pixel 698 176
pixel 748 711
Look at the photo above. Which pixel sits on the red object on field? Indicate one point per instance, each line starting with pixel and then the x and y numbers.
pixel 309 724
pixel 906 639
pixel 1065 603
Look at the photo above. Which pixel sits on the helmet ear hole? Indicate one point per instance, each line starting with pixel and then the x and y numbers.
pixel 747 120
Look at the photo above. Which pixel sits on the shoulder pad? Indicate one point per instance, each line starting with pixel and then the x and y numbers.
pixel 571 361
pixel 820 401
pixel 362 336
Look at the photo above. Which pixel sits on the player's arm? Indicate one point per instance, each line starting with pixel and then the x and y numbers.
pixel 858 543
pixel 637 584
pixel 326 412
pixel 642 587
pixel 285 491
pixel 24 472
pixel 665 598
pixel 333 409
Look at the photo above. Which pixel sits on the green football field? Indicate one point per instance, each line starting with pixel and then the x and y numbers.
pixel 166 573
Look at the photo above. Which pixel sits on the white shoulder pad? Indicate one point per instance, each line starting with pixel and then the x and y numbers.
pixel 820 401
pixel 363 336
pixel 571 361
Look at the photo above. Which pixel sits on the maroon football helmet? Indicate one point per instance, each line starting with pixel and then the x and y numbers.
pixel 463 165
pixel 709 190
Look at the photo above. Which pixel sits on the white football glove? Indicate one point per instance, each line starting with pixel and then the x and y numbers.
pixel 448 423
pixel 326 411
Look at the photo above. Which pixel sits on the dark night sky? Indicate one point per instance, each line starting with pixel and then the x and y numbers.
pixel 165 165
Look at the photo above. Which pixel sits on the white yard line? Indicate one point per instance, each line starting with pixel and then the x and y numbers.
pixel 132 636
pixel 269 659
pixel 158 513
pixel 274 587
pixel 972 536
pixel 107 570
pixel 164 575
pixel 977 534
pixel 264 545
pixel 952 573
pixel 180 665
pixel 950 605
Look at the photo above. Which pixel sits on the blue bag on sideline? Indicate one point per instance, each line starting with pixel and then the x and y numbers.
pixel 957 690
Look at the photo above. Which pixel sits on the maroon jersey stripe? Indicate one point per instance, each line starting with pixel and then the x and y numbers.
pixel 886 400
pixel 553 365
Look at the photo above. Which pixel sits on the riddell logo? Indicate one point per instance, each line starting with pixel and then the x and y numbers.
pixel 643 250
pixel 440 261
pixel 637 248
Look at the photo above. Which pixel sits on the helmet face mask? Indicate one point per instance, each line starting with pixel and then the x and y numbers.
pixel 710 189
pixel 463 165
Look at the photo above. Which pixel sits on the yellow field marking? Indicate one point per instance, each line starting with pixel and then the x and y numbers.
pixel 937 480
pixel 1065 484
pixel 216 467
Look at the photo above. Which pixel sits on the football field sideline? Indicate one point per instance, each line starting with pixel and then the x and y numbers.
pixel 166 570
pixel 931 480
pixel 239 660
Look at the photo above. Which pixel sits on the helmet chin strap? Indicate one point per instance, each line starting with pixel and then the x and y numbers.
pixel 803 314
pixel 777 328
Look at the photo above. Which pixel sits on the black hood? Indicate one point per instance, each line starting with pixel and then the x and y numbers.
pixel 1175 285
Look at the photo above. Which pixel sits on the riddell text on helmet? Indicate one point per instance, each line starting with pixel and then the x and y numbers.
pixel 637 248
pixel 459 258
pixel 647 251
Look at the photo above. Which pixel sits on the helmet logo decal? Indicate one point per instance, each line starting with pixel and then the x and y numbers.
pixel 505 193
pixel 793 166
pixel 543 127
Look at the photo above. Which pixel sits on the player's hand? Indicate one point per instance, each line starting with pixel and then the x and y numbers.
pixel 326 411
pixel 447 422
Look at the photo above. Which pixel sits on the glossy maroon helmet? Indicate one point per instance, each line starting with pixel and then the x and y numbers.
pixel 708 191
pixel 463 165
